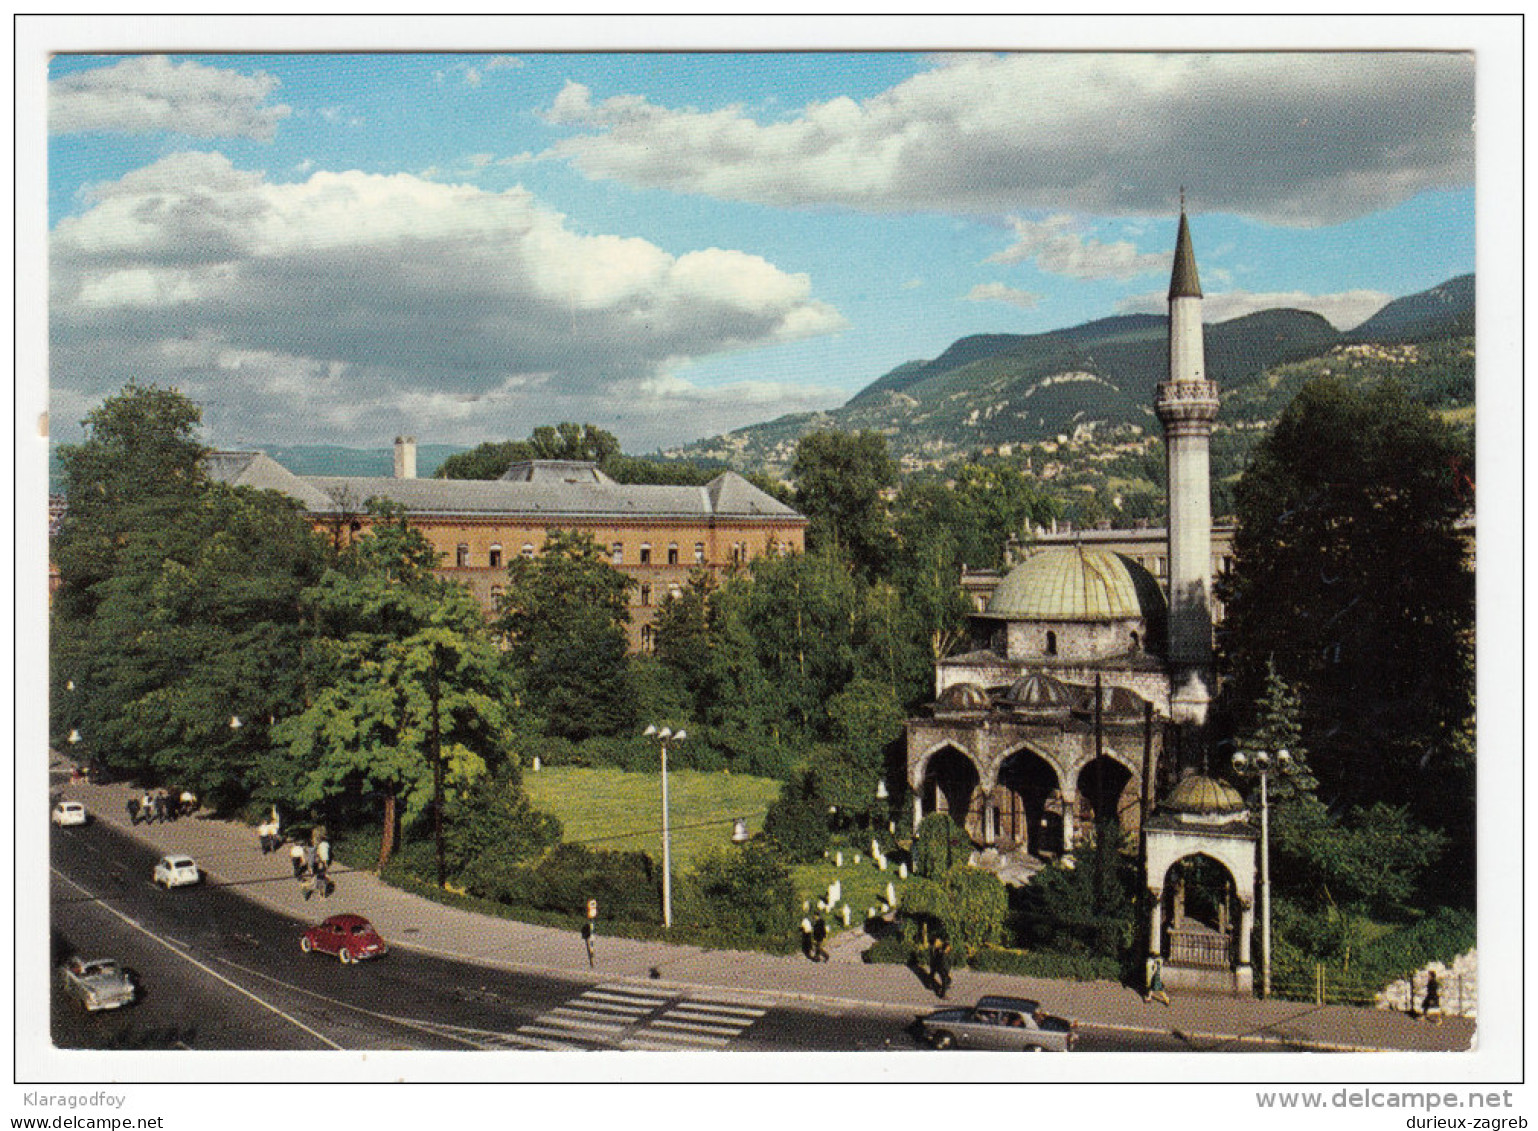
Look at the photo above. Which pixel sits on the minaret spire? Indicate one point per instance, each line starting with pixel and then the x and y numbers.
pixel 1187 404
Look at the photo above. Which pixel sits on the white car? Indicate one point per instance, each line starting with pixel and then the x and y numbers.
pixel 97 983
pixel 176 872
pixel 68 813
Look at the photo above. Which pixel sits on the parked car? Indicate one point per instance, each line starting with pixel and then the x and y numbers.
pixel 69 813
pixel 97 983
pixel 1004 1023
pixel 176 872
pixel 351 938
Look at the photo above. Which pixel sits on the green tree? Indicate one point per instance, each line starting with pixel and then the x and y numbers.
pixel 1351 575
pixel 408 687
pixel 967 905
pixel 492 829
pixel 840 483
pixel 864 720
pixel 198 625
pixel 138 467
pixel 565 441
pixel 562 616
pixel 1086 908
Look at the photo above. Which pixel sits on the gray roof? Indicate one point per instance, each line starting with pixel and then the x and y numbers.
pixel 550 489
pixel 261 471
pixel 1183 280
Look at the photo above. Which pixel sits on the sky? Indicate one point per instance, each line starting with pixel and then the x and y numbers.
pixel 337 249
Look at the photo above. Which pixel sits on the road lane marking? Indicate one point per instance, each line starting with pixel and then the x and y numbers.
pixel 206 969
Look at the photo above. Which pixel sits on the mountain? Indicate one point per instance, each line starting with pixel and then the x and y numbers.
pixel 1095 379
pixel 1446 311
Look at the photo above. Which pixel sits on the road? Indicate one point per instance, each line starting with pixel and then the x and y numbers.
pixel 219 971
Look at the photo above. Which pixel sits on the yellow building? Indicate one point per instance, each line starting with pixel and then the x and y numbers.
pixel 656 535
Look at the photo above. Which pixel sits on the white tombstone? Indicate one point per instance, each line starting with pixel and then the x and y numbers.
pixel 536 763
pixel 835 892
pixel 881 863
pixel 838 859
pixel 902 871
pixel 856 857
pixel 845 912
pixel 875 849
pixel 891 894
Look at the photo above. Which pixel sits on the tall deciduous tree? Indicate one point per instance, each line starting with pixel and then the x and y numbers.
pixel 566 440
pixel 1352 575
pixel 563 615
pixel 408 687
pixel 840 483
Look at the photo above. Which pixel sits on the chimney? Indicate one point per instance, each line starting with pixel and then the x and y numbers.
pixel 405 457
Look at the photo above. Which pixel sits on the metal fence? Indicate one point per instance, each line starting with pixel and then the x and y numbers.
pixel 1322 985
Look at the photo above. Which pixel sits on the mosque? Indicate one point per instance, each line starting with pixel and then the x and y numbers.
pixel 1082 705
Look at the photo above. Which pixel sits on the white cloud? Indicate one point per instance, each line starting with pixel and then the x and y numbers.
pixel 152 94
pixel 1296 139
pixel 1058 250
pixel 367 301
pixel 998 292
pixel 1344 310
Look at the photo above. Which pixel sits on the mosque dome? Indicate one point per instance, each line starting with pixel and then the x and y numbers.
pixel 1071 583
pixel 1115 703
pixel 963 697
pixel 1203 797
pixel 1038 693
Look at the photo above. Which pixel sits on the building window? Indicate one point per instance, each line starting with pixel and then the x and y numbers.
pixel 528 549
pixel 672 553
pixel 646 553
pixel 1134 642
pixel 1051 643
pixel 646 638
pixel 617 553
pixel 496 593
pixel 646 595
pixel 699 553
pixel 496 555
pixel 737 553
pixel 462 555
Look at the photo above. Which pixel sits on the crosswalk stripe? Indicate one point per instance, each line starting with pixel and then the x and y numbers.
pixel 602 1012
pixel 629 997
pixel 552 1031
pixel 687 1036
pixel 704 1025
pixel 644 1045
pixel 714 1010
pixel 555 1017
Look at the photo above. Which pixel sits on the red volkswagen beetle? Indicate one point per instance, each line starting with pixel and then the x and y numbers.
pixel 351 938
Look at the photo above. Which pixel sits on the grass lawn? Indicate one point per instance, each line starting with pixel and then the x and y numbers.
pixel 606 808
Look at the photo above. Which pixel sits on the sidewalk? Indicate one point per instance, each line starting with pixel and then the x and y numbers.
pixel 229 854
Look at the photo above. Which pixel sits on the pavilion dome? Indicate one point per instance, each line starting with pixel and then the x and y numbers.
pixel 1201 796
pixel 1071 583
pixel 1040 693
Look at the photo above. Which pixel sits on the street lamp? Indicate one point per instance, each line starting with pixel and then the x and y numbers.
pixel 1261 764
pixel 664 736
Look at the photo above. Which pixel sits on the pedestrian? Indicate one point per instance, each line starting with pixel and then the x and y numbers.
pixel 296 858
pixel 147 807
pixel 1156 981
pixel 168 806
pixel 819 939
pixel 264 837
pixel 806 937
pixel 190 805
pixel 1433 999
pixel 587 940
pixel 133 810
pixel 308 883
pixel 323 868
pixel 940 967
pixel 160 805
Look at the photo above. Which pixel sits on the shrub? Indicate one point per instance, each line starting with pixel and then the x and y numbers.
pixel 798 821
pixel 625 884
pixel 941 844
pixel 1047 964
pixel 745 892
pixel 966 905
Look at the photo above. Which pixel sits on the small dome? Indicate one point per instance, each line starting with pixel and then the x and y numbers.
pixel 1066 583
pixel 1115 703
pixel 1204 796
pixel 963 697
pixel 1040 693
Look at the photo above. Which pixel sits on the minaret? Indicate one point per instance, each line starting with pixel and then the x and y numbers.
pixel 1187 404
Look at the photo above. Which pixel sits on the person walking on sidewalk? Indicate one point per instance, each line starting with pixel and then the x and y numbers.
pixel 323 869
pixel 940 967
pixel 587 940
pixel 1433 999
pixel 819 939
pixel 296 858
pixel 1156 981
pixel 806 937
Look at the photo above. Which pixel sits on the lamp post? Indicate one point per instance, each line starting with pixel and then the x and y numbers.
pixel 1261 764
pixel 664 736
